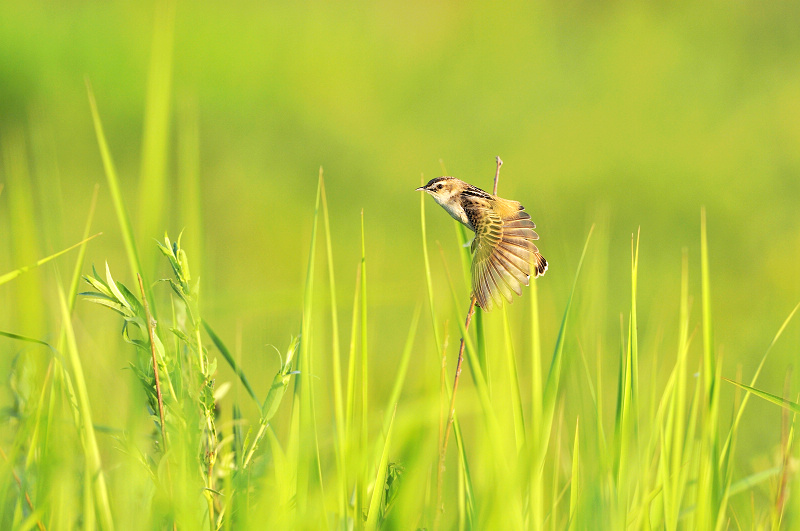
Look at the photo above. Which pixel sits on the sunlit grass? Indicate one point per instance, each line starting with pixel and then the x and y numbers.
pixel 344 463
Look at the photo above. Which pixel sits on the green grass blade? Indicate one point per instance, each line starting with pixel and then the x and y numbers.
pixel 742 405
pixel 380 479
pixel 351 364
pixel 232 362
pixel 794 407
pixel 116 194
pixel 303 394
pixel 554 375
pixel 363 445
pixel 95 476
pixel 156 134
pixel 338 398
pixel 11 275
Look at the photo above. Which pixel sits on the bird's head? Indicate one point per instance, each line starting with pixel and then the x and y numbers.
pixel 443 189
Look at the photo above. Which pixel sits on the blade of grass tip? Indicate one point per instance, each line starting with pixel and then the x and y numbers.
pixel 380 479
pixel 11 275
pixel 232 362
pixel 709 485
pixel 302 390
pixel 794 407
pixel 338 399
pixel 113 187
pixel 643 480
pixel 364 395
pixel 709 361
pixel 740 410
pixel 156 134
pixel 516 398
pixel 91 450
pixel 551 385
pixel 575 483
pixel 635 333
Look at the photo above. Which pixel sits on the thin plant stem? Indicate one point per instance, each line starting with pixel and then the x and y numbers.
pixel 497 175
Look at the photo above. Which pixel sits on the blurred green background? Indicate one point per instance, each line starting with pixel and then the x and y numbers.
pixel 625 114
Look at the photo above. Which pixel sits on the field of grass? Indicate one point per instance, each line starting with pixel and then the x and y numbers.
pixel 227 194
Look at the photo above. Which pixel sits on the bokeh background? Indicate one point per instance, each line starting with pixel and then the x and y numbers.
pixel 628 115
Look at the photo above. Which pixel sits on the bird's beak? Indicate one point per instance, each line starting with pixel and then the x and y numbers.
pixel 421 188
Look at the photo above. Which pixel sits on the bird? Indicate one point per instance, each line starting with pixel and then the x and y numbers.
pixel 503 253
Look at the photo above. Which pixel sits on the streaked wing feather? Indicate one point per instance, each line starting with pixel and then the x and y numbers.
pixel 504 255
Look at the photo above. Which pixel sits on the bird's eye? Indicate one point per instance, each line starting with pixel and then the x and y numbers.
pixel 439 187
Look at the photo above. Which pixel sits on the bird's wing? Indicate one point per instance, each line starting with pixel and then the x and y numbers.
pixel 503 250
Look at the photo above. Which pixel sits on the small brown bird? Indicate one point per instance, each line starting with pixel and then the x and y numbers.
pixel 503 250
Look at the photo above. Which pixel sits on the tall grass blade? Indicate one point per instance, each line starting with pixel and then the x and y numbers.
pixel 156 135
pixel 363 445
pixel 794 407
pixel 543 425
pixel 11 275
pixel 338 398
pixel 95 478
pixel 740 410
pixel 551 385
pixel 305 457
pixel 116 194
pixel 232 362
pixel 380 479
pixel 709 506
